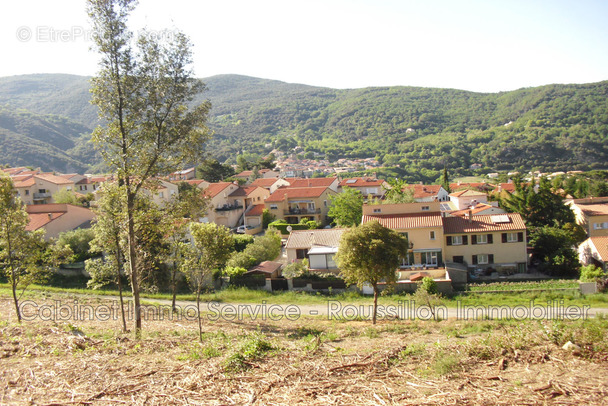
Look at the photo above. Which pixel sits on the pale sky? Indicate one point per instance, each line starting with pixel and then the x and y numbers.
pixel 478 45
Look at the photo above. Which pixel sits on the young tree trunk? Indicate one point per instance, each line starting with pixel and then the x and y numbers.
pixel 375 303
pixel 132 262
pixel 15 298
pixel 173 287
pixel 122 306
pixel 198 308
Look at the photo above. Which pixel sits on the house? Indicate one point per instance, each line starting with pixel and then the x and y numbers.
pixel 268 269
pixel 420 223
pixel 264 174
pixel 464 199
pixel 295 203
pixel 478 209
pixel 318 246
pixel 56 218
pixel 199 183
pixel 90 184
pixel 47 185
pixel 254 216
pixel 592 214
pixel 594 251
pixel 481 242
pixel 162 192
pixel 369 187
pixel 429 193
pixel 223 209
pixel 186 174
pixel 333 182
pixel 271 184
pixel 24 186
pixel 250 195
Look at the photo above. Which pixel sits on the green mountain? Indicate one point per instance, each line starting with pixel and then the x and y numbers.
pixel 416 130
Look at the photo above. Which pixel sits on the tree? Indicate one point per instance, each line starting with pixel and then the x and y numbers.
pixel 267 218
pixel 370 254
pixel 346 208
pixel 398 192
pixel 213 171
pixel 143 96
pixel 212 246
pixel 66 196
pixel 79 242
pixel 553 247
pixel 24 256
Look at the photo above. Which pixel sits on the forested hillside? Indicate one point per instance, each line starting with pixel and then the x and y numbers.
pixel 418 130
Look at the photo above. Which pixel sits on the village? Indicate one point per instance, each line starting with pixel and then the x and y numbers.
pixel 455 236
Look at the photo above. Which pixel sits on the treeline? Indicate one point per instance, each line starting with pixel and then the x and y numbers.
pixel 415 130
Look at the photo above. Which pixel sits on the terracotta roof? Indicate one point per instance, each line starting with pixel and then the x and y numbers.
pixel 311 182
pixel 406 221
pixel 215 189
pixel 467 192
pixel 361 182
pixel 601 245
pixel 421 191
pixel 507 187
pixel 267 267
pixel 49 177
pixel 244 174
pixel 304 239
pixel 264 182
pixel 255 211
pixel 25 181
pixel 39 220
pixel 244 191
pixel 598 209
pixel 13 171
pixel 482 223
pixel 477 209
pixel 283 193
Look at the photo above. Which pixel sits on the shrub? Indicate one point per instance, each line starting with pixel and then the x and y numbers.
pixel 241 241
pixel 234 272
pixel 264 248
pixel 428 285
pixel 591 273
pixel 295 269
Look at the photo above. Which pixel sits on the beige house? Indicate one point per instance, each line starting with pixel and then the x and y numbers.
pixel 294 203
pixel 464 199
pixel 57 218
pixel 318 246
pixel 223 209
pixel 429 193
pixel 333 182
pixel 421 223
pixel 271 184
pixel 25 185
pixel 163 192
pixel 47 185
pixel 592 214
pixel 369 187
pixel 594 251
pixel 481 242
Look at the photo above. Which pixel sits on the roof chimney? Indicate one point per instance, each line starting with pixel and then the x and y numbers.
pixel 470 215
pixel 50 216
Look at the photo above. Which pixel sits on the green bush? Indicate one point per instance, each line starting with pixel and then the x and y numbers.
pixel 264 248
pixel 295 269
pixel 282 225
pixel 591 273
pixel 241 241
pixel 428 285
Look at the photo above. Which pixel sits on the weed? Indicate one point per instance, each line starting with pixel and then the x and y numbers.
pixel 253 347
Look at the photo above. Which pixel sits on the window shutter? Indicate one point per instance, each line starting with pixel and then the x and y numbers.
pixel 449 240
pixel 439 259
pixel 504 237
pixel 474 259
pixel 491 258
pixel 520 237
pixel 473 239
pixel 465 240
pixel 490 239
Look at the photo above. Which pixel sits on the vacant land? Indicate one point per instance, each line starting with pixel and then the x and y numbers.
pixel 310 360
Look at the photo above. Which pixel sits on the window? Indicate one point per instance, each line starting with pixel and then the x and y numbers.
pixel 482 259
pixel 69 188
pixel 27 192
pixel 457 240
pixel 459 259
pixel 429 258
pixel 482 239
pixel 161 195
pixel 426 208
pixel 432 235
pixel 324 203
pixel 600 226
pixel 377 210
pixel 372 191
pixel 274 207
pixel 511 237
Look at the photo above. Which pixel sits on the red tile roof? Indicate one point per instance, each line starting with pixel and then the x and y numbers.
pixel 406 221
pixel 39 220
pixel 255 211
pixel 477 209
pixel 244 191
pixel 482 223
pixel 267 267
pixel 601 245
pixel 49 177
pixel 362 182
pixel 589 210
pixel 215 189
pixel 264 182
pixel 422 191
pixel 311 182
pixel 283 193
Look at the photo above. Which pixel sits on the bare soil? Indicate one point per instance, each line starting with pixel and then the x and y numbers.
pixel 311 361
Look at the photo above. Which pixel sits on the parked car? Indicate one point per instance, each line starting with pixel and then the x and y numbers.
pixel 242 229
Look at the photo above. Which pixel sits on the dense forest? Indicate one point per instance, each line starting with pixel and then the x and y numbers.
pixel 416 131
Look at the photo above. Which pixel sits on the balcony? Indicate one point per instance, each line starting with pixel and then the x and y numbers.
pixel 41 196
pixel 301 211
pixel 228 207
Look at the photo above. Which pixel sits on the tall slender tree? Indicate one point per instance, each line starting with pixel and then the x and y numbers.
pixel 143 92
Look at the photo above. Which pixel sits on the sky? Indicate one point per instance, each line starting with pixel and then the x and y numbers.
pixel 477 45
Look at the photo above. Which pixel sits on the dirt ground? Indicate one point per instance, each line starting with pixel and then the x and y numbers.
pixel 309 361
